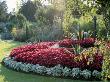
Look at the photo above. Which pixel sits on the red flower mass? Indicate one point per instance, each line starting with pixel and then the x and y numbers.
pixel 43 54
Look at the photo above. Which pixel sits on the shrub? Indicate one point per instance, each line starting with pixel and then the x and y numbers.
pixel 45 33
pixel 76 72
pixel 90 59
pixel 67 42
pixel 57 70
pixel 6 36
pixel 24 68
pixel 40 69
pixel 19 35
pixel 87 42
pixel 96 74
pixel 86 74
pixel 66 71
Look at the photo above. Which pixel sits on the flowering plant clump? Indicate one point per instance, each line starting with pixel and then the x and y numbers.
pixel 86 74
pixel 75 72
pixel 50 54
pixel 96 74
pixel 45 57
pixel 54 56
pixel 57 70
pixel 68 42
pixel 90 58
pixel 87 42
pixel 66 71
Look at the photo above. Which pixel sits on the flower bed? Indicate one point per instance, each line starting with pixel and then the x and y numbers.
pixel 54 56
pixel 49 55
pixel 57 70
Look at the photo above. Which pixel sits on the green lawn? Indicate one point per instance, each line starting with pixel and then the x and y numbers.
pixel 7 75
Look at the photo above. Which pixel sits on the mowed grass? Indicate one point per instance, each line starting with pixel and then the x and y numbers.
pixel 7 75
pixel 6 46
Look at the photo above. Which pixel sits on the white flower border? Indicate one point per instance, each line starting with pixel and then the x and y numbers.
pixel 57 70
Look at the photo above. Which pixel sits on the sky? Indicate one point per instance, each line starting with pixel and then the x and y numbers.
pixel 12 4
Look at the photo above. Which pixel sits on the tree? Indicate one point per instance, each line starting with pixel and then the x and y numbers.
pixel 28 9
pixel 18 21
pixel 45 16
pixel 3 11
pixel 104 9
pixel 74 10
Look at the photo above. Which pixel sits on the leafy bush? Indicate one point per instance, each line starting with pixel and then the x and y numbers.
pixel 40 69
pixel 45 33
pixel 86 74
pixel 19 34
pixel 57 70
pixel 67 42
pixel 87 42
pixel 19 21
pixel 18 25
pixel 76 72
pixel 96 74
pixel 6 36
pixel 66 71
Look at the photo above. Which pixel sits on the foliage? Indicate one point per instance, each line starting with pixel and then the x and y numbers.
pixel 28 9
pixel 6 36
pixel 76 72
pixel 106 61
pixel 19 27
pixel 68 19
pixel 38 69
pixel 46 21
pixel 101 8
pixel 81 12
pixel 19 34
pixel 12 76
pixel 86 74
pixel 90 56
pixel 87 42
pixel 57 70
pixel 44 33
pixel 45 16
pixel 43 54
pixel 18 21
pixel 66 71
pixel 104 9
pixel 74 10
pixel 96 74
pixel 3 11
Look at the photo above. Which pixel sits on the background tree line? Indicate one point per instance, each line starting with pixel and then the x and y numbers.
pixel 37 22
